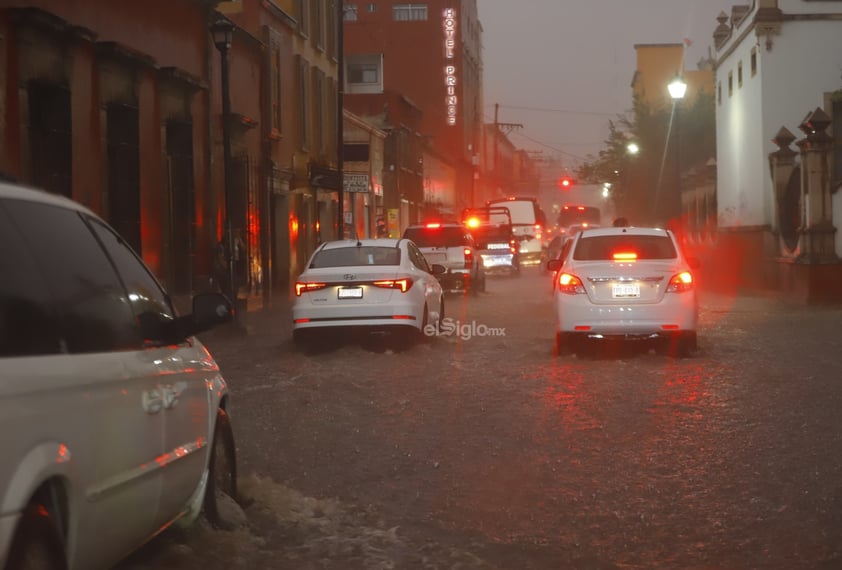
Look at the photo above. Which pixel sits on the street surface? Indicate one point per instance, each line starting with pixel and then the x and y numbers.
pixel 490 452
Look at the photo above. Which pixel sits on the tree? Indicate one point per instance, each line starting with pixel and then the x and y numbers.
pixel 641 183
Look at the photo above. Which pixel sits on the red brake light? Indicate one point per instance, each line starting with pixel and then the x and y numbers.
pixel 625 256
pixel 302 287
pixel 469 257
pixel 432 225
pixel 570 284
pixel 402 284
pixel 472 222
pixel 680 283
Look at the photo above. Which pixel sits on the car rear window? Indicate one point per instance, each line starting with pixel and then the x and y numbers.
pixel 484 235
pixel 436 237
pixel 354 256
pixel 600 248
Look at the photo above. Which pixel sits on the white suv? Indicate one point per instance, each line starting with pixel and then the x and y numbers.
pixel 114 414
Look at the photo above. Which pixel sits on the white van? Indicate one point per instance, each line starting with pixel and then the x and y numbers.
pixel 529 225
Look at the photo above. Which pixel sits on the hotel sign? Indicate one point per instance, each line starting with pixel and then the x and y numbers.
pixel 451 100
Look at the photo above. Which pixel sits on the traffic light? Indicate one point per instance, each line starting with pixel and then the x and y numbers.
pixel 566 182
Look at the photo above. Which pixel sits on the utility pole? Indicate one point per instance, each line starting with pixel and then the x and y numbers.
pixel 340 104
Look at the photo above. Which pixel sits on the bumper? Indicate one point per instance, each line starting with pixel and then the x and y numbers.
pixel 393 314
pixel 677 312
pixel 455 280
pixel 498 262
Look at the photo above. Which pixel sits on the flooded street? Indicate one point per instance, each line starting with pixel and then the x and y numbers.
pixel 488 451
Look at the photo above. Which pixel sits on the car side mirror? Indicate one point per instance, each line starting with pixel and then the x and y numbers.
pixel 554 264
pixel 438 269
pixel 210 310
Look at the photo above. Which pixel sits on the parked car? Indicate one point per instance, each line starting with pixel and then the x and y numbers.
pixel 371 286
pixel 115 416
pixel 450 245
pixel 628 284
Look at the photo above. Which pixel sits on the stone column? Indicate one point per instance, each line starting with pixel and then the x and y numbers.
pixel 781 166
pixel 816 152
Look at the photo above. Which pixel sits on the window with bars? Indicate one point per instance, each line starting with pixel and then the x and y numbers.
pixel 317 23
pixel 409 12
pixel 319 134
pixel 302 16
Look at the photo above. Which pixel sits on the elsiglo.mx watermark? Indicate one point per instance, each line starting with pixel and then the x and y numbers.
pixel 465 331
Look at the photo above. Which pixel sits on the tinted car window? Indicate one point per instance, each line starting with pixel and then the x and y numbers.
pixel 27 323
pixel 88 297
pixel 351 256
pixel 436 237
pixel 145 294
pixel 604 247
pixel 484 235
pixel 417 258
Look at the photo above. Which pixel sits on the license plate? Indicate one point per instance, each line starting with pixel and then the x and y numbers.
pixel 625 291
pixel 350 292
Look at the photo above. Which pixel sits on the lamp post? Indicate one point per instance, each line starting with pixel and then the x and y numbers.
pixel 677 89
pixel 222 31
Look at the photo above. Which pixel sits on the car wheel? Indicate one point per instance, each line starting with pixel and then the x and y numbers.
pixel 37 544
pixel 222 470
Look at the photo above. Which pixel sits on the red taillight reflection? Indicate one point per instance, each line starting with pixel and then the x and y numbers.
pixel 303 287
pixel 402 284
pixel 570 284
pixel 680 283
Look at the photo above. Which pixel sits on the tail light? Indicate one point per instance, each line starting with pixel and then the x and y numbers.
pixel 303 287
pixel 403 284
pixel 625 256
pixel 570 284
pixel 469 257
pixel 680 283
pixel 538 231
pixel 513 245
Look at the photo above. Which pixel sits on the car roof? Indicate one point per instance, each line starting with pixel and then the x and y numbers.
pixel 629 230
pixel 368 242
pixel 17 191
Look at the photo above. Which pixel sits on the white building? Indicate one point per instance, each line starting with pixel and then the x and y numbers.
pixel 777 60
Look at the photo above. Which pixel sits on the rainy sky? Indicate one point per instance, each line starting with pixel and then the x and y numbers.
pixel 563 68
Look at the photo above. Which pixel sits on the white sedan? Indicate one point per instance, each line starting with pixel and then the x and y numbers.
pixel 367 285
pixel 625 283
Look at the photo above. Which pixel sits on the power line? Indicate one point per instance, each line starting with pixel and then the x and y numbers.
pixel 565 111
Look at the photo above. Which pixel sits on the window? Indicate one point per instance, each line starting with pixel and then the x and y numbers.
pixel 603 248
pixel 88 297
pixel 349 13
pixel 304 133
pixel 730 83
pixel 302 15
pixel 150 305
pixel 28 325
pixel 317 24
pixel 356 152
pixel 355 256
pixel 319 111
pixel 371 7
pixel 739 74
pixel 753 61
pixel 436 237
pixel 363 73
pixel 409 12
pixel 719 93
pixel 417 258
pixel 275 82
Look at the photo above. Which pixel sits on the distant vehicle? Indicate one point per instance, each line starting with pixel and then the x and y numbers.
pixel 529 224
pixel 631 284
pixel 116 416
pixel 494 238
pixel 371 285
pixel 450 244
pixel 577 215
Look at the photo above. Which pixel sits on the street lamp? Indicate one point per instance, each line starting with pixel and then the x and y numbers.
pixel 222 31
pixel 677 89
pixel 632 148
